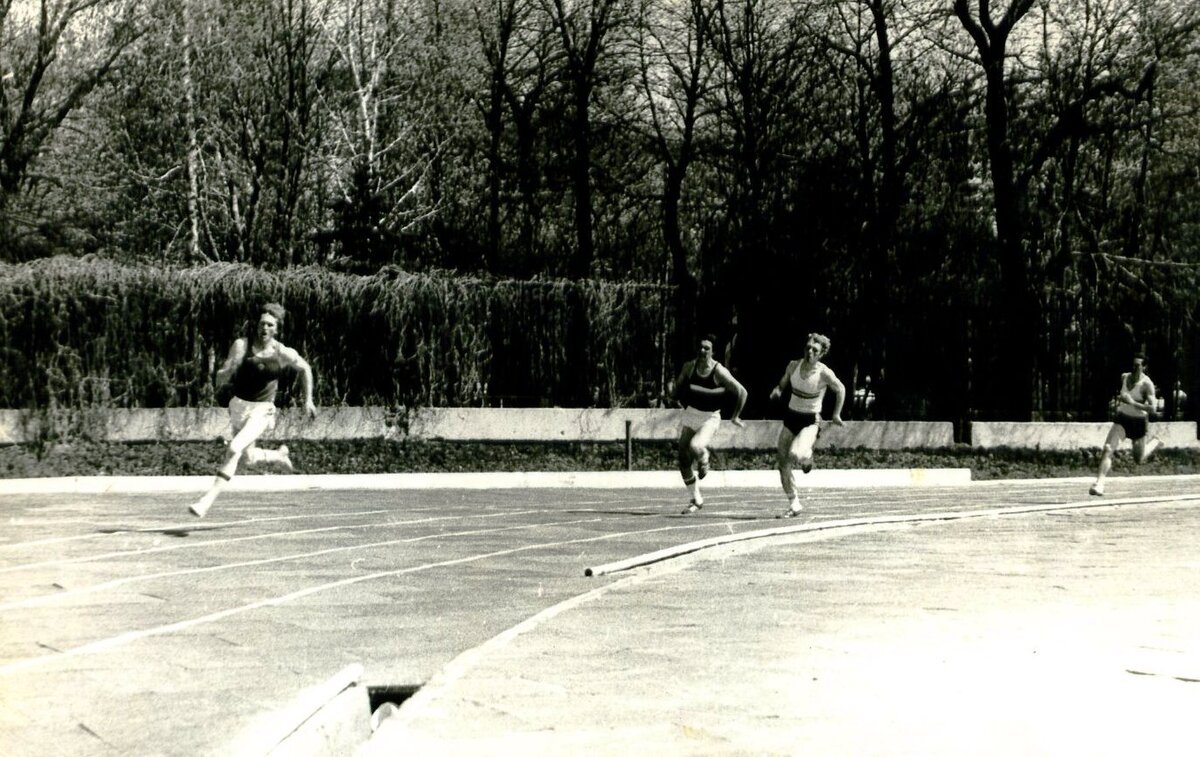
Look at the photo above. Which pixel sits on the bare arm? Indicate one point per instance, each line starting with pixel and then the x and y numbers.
pixel 1151 403
pixel 677 394
pixel 237 353
pixel 839 395
pixel 293 359
pixel 1125 396
pixel 777 392
pixel 726 379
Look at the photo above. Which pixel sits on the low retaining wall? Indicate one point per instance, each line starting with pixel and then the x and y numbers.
pixel 564 425
pixel 821 478
pixel 1066 436
pixel 470 424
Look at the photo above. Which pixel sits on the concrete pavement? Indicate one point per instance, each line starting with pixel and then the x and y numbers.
pixel 993 617
pixel 1072 631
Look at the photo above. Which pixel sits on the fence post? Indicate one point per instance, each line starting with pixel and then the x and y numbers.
pixel 628 445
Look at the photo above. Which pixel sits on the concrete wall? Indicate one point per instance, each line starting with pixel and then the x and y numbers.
pixel 1064 436
pixel 567 424
pixel 473 424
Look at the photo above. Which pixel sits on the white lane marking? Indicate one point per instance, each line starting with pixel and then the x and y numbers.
pixel 43 599
pixel 93 588
pixel 104 645
pixel 235 539
pixel 209 524
pixel 679 550
pixel 190 525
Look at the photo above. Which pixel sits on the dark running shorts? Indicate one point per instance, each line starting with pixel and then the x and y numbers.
pixel 1135 428
pixel 794 421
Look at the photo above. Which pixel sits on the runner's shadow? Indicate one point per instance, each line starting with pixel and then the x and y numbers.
pixel 610 512
pixel 717 517
pixel 178 533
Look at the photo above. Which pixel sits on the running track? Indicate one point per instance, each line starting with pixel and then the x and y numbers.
pixel 127 627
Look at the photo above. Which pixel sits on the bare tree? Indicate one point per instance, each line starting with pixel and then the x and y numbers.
pixel 585 29
pixel 1013 165
pixel 52 56
pixel 676 73
pixel 379 176
pixel 515 48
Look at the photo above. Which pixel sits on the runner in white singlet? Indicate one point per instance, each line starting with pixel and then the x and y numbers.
pixel 806 381
pixel 1135 402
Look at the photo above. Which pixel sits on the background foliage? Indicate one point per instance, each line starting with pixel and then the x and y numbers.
pixel 988 206
pixel 94 334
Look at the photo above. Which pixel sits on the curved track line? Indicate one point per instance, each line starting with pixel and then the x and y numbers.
pixel 103 645
pixel 683 549
pixel 391 730
pixel 253 537
pixel 115 583
pixel 190 524
pixel 193 523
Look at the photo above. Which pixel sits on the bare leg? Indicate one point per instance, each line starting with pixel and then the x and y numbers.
pixel 243 440
pixel 794 450
pixel 1116 435
pixel 256 455
pixel 699 443
pixel 1144 448
pixel 783 460
pixel 802 447
pixel 686 466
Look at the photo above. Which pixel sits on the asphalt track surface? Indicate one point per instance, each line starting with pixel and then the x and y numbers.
pixel 994 618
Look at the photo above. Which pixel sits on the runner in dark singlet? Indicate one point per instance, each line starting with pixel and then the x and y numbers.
pixel 702 388
pixel 253 369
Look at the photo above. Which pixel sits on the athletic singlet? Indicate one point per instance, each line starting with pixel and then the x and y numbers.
pixel 703 392
pixel 257 378
pixel 1141 391
pixel 808 392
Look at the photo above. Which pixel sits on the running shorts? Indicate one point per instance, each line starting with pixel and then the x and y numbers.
pixel 1135 427
pixel 796 421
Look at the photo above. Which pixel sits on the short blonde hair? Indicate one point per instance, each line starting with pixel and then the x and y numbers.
pixel 274 309
pixel 822 340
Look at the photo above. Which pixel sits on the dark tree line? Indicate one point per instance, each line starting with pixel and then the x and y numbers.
pixel 988 205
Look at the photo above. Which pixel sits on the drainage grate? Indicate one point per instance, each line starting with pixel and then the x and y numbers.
pixel 385 701
pixel 396 694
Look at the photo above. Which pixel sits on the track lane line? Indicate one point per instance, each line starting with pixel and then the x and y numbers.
pixel 252 537
pixel 128 637
pixel 684 549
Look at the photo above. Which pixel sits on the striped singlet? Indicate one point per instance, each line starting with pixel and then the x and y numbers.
pixel 257 378
pixel 808 391
pixel 703 392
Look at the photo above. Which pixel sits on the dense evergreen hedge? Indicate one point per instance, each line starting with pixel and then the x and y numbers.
pixel 89 333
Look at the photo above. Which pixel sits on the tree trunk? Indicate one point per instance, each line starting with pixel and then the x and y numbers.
pixel 581 180
pixel 193 142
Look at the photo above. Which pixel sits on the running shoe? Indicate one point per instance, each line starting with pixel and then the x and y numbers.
pixel 284 458
pixel 693 507
pixel 794 509
pixel 1097 490
pixel 1151 445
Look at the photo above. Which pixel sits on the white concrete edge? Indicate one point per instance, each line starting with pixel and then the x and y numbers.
pixel 271 729
pixel 831 478
pixel 1183 477
pixel 397 734
pixel 402 731
pixel 678 550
